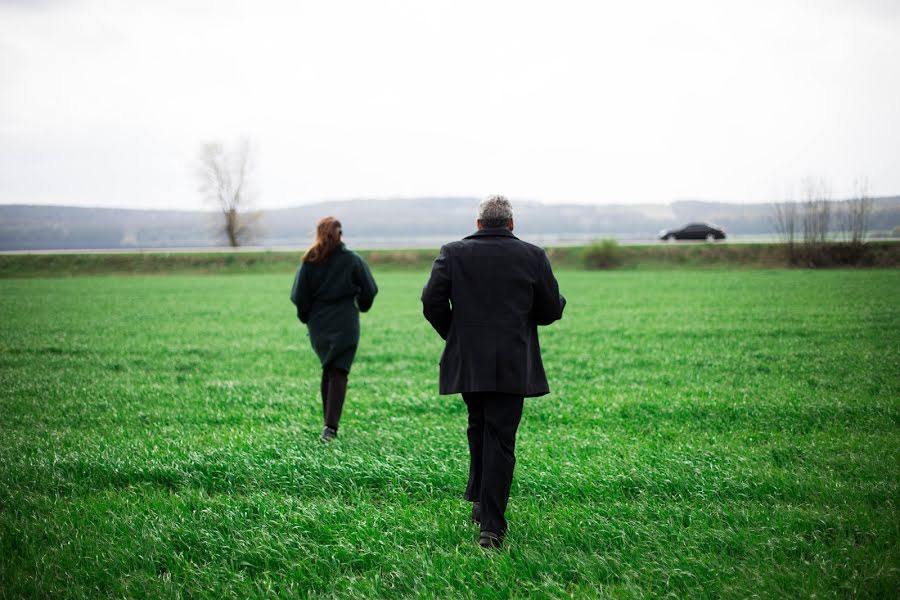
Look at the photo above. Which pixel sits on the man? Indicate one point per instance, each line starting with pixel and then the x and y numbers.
pixel 486 296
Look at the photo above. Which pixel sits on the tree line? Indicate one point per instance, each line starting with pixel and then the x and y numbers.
pixel 818 231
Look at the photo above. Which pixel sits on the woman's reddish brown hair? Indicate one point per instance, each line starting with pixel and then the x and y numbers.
pixel 328 238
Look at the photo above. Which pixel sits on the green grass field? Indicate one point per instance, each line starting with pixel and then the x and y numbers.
pixel 710 433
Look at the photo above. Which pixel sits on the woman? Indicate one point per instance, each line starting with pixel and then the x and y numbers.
pixel 331 287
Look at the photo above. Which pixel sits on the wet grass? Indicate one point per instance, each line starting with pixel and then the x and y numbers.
pixel 710 433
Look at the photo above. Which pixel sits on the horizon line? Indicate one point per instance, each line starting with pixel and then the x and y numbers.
pixel 252 208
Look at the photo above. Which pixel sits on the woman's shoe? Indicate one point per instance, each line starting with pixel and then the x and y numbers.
pixel 328 434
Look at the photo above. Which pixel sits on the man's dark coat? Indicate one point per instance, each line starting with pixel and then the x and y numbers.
pixel 327 296
pixel 486 296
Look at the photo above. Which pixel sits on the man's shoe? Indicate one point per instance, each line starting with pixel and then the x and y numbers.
pixel 476 512
pixel 328 434
pixel 489 539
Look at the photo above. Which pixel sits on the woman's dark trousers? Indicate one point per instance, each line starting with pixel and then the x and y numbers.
pixel 493 421
pixel 334 389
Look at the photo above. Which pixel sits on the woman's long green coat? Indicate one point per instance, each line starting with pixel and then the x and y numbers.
pixel 329 297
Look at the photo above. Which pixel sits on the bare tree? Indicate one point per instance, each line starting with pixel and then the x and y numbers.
pixel 225 182
pixel 784 217
pixel 816 212
pixel 805 226
pixel 856 211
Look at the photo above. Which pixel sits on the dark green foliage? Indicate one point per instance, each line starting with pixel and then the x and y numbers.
pixel 605 254
pixel 68 265
pixel 655 257
pixel 718 255
pixel 710 434
pixel 841 254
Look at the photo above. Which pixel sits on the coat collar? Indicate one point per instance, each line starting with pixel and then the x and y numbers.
pixel 492 231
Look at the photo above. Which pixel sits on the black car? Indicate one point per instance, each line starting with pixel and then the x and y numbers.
pixel 693 231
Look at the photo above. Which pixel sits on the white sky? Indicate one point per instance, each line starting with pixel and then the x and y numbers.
pixel 107 102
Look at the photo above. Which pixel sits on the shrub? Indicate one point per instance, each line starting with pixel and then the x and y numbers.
pixel 605 254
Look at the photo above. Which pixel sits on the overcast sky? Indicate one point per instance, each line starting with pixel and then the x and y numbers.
pixel 107 102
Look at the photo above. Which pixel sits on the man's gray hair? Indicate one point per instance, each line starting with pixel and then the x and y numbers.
pixel 495 211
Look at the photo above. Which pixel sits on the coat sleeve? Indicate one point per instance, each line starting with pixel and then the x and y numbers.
pixel 548 302
pixel 367 286
pixel 301 294
pixel 436 296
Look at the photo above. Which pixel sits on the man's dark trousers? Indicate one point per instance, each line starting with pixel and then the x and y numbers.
pixel 493 420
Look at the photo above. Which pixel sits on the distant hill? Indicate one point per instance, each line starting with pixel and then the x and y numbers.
pixel 376 223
